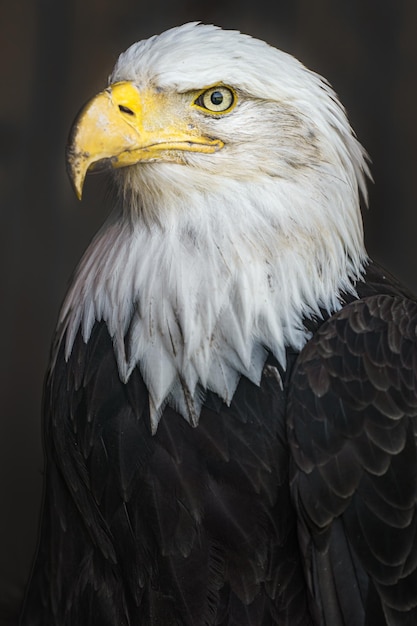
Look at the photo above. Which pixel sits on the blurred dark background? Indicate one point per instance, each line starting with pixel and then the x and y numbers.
pixel 54 56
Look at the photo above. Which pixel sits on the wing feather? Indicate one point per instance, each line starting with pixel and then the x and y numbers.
pixel 352 429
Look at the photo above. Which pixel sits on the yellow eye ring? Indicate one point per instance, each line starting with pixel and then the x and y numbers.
pixel 218 100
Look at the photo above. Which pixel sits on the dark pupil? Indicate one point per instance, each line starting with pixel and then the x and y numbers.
pixel 216 97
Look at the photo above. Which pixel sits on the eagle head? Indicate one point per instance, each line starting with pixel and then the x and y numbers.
pixel 238 213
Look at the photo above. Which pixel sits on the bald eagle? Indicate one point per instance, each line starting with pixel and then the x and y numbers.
pixel 231 406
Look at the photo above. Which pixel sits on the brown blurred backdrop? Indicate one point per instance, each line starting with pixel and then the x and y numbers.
pixel 55 55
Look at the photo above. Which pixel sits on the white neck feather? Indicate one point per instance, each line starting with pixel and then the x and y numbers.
pixel 196 297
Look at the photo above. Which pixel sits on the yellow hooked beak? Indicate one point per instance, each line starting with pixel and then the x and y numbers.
pixel 122 126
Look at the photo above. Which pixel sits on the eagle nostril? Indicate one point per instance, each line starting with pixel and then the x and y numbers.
pixel 124 109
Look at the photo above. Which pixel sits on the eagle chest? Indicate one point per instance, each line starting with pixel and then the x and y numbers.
pixel 209 505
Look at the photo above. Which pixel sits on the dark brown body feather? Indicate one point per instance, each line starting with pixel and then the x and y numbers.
pixel 294 506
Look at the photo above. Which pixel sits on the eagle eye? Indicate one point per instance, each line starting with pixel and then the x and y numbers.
pixel 219 99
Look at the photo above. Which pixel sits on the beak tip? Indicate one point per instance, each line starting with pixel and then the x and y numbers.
pixel 76 170
pixel 77 183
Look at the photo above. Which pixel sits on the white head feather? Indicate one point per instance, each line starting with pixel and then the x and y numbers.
pixel 205 265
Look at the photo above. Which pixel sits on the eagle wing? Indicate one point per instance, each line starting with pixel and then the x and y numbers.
pixel 352 418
